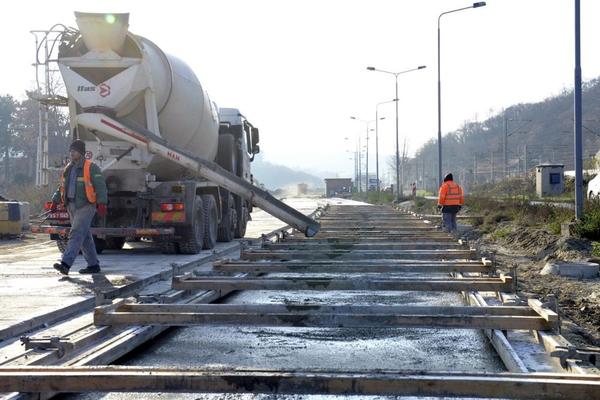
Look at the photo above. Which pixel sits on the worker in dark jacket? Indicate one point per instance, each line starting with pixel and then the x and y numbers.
pixel 82 192
pixel 450 201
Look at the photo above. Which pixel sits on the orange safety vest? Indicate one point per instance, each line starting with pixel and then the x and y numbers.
pixel 90 193
pixel 451 194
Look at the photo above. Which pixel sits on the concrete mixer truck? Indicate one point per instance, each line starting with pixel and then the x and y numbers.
pixel 177 167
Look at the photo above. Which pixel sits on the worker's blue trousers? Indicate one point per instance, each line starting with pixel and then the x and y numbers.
pixel 80 237
pixel 449 222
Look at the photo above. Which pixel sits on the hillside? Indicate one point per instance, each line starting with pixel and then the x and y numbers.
pixel 276 176
pixel 537 132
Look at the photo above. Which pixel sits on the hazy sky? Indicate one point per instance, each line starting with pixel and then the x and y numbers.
pixel 296 69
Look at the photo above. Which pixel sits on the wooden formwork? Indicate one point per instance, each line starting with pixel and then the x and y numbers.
pixel 376 383
pixel 435 254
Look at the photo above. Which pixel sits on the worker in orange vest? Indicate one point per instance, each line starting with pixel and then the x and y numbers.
pixel 83 193
pixel 450 201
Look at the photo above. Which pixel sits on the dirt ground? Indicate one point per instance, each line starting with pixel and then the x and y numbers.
pixel 529 249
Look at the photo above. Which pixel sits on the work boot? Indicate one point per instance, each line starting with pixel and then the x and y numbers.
pixel 90 269
pixel 62 267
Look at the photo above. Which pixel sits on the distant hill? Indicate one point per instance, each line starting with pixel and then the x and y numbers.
pixel 537 133
pixel 276 176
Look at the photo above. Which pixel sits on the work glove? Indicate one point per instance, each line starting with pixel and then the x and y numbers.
pixel 101 210
pixel 54 206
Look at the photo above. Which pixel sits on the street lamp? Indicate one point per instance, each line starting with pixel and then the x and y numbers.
pixel 397 140
pixel 366 122
pixel 377 119
pixel 475 5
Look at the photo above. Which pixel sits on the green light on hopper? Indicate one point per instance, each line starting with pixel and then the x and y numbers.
pixel 110 18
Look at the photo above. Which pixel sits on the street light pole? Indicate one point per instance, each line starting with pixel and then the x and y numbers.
pixel 577 123
pixel 398 187
pixel 505 141
pixel 359 166
pixel 439 85
pixel 398 192
pixel 360 155
pixel 377 141
pixel 367 160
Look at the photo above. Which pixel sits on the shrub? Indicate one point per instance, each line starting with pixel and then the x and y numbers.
pixel 589 226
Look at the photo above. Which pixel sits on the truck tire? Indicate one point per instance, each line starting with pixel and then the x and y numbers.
pixel 114 242
pixel 211 221
pixel 63 243
pixel 194 238
pixel 229 219
pixel 100 245
pixel 168 247
pixel 243 218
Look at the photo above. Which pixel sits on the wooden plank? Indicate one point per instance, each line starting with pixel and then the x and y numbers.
pixel 371 229
pixel 321 284
pixel 358 254
pixel 347 309
pixel 336 268
pixel 544 312
pixel 139 379
pixel 325 320
pixel 396 235
pixel 438 238
pixel 407 245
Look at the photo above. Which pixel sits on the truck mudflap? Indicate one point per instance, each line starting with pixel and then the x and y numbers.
pixel 123 232
pixel 145 139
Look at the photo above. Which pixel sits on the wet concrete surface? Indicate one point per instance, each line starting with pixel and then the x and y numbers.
pixel 30 287
pixel 308 348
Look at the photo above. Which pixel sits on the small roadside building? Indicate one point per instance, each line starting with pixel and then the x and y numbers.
pixel 549 179
pixel 302 189
pixel 338 187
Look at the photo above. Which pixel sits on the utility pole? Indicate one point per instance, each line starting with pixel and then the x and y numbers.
pixel 492 165
pixel 475 168
pixel 505 146
pixel 367 158
pixel 359 166
pixel 423 173
pixel 356 170
pixel 402 167
pixel 525 168
pixel 577 123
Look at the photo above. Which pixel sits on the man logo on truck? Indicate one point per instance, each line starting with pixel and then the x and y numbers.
pixel 104 89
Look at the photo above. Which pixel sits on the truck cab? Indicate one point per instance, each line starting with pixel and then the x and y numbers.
pixel 238 144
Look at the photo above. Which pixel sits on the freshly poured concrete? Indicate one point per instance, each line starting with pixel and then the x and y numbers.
pixel 304 348
pixel 30 287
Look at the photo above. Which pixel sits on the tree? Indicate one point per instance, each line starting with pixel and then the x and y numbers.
pixel 8 107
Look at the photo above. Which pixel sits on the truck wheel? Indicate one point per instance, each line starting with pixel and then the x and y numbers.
pixel 114 242
pixel 62 244
pixel 194 238
pixel 168 247
pixel 211 218
pixel 229 219
pixel 243 218
pixel 100 245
